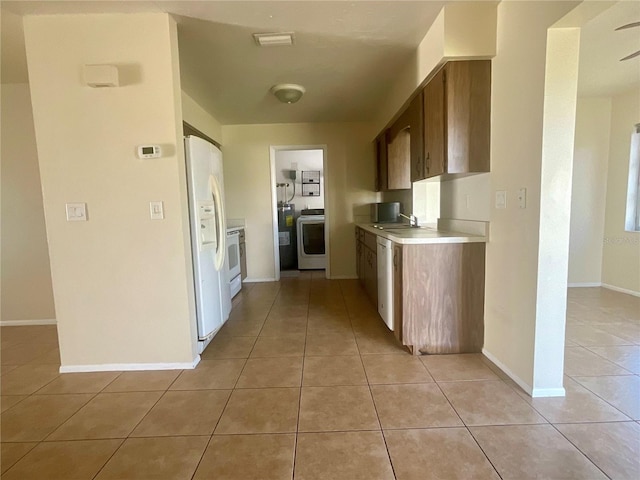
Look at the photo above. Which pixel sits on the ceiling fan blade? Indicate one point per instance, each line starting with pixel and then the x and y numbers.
pixel 629 57
pixel 628 25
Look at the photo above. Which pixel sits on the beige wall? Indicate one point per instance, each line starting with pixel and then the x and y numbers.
pixel 122 282
pixel 518 85
pixel 349 178
pixel 466 198
pixel 199 118
pixel 465 30
pixel 26 276
pixel 588 197
pixel 621 255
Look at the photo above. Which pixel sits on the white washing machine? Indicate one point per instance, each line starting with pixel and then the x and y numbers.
pixel 311 248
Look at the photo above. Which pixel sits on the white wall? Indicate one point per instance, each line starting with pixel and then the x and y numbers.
pixel 464 30
pixel 349 173
pixel 303 160
pixel 517 112
pixel 588 197
pixel 122 282
pixel 461 30
pixel 26 277
pixel 621 255
pixel 466 198
pixel 199 118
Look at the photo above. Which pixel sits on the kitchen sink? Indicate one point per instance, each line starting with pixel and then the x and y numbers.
pixel 392 226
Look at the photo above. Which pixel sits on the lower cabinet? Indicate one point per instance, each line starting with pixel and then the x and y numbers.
pixel 438 293
pixel 367 263
pixel 439 297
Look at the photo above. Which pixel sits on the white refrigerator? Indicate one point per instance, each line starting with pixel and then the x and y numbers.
pixel 205 184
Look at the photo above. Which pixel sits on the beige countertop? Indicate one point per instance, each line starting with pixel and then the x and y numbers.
pixel 421 235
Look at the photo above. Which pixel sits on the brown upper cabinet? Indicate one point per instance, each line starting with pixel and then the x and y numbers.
pixel 457 120
pixel 399 153
pixel 445 130
pixel 399 148
pixel 381 162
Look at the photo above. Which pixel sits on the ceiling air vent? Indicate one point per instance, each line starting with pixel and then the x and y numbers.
pixel 273 39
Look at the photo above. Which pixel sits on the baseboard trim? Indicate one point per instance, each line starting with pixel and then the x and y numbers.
pixel 521 383
pixel 126 367
pixel 258 280
pixel 548 392
pixel 533 392
pixel 621 290
pixel 22 323
pixel 343 277
pixel 584 285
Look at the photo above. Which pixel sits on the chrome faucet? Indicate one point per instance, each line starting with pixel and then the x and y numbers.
pixel 413 220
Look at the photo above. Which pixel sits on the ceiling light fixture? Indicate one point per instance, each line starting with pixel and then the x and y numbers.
pixel 288 92
pixel 273 39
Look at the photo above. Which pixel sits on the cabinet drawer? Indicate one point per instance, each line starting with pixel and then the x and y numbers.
pixel 370 241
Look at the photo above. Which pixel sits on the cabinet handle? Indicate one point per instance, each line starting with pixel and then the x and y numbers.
pixel 395 260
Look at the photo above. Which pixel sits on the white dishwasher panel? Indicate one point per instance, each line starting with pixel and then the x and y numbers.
pixel 385 281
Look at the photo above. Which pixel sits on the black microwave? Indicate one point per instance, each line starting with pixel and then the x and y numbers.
pixel 385 212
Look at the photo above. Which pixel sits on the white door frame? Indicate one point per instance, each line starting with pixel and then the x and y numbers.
pixel 273 149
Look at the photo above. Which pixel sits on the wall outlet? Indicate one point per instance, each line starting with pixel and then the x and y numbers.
pixel 522 198
pixel 501 199
pixel 76 212
pixel 467 200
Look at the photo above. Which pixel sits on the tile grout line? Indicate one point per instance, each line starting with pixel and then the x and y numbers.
pixel 465 426
pixel 110 457
pixel 375 407
pixel 228 400
pixel 579 450
pixel 304 351
pixel 130 432
pixel 608 359
pixel 601 398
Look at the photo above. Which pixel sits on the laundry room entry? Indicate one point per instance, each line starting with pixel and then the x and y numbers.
pixel 299 186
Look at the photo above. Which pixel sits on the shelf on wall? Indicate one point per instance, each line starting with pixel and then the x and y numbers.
pixel 310 189
pixel 311 177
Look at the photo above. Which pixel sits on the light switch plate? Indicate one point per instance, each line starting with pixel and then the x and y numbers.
pixel 501 199
pixel 76 212
pixel 156 210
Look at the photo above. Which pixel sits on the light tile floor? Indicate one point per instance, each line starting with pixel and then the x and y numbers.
pixel 305 382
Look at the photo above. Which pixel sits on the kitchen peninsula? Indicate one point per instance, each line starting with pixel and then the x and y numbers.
pixel 437 282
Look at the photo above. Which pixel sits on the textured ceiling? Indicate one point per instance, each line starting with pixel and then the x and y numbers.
pixel 346 54
pixel 601 48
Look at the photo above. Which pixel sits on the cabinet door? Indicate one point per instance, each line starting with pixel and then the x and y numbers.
pixel 367 270
pixel 399 153
pixel 243 260
pixel 418 166
pixel 374 278
pixel 397 291
pixel 434 126
pixel 468 116
pixel 381 163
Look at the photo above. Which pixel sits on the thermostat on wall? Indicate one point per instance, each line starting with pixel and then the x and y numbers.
pixel 149 151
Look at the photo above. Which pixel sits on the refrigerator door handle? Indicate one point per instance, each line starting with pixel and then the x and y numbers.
pixel 221 226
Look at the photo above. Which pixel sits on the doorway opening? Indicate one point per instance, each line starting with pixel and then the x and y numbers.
pixel 300 209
